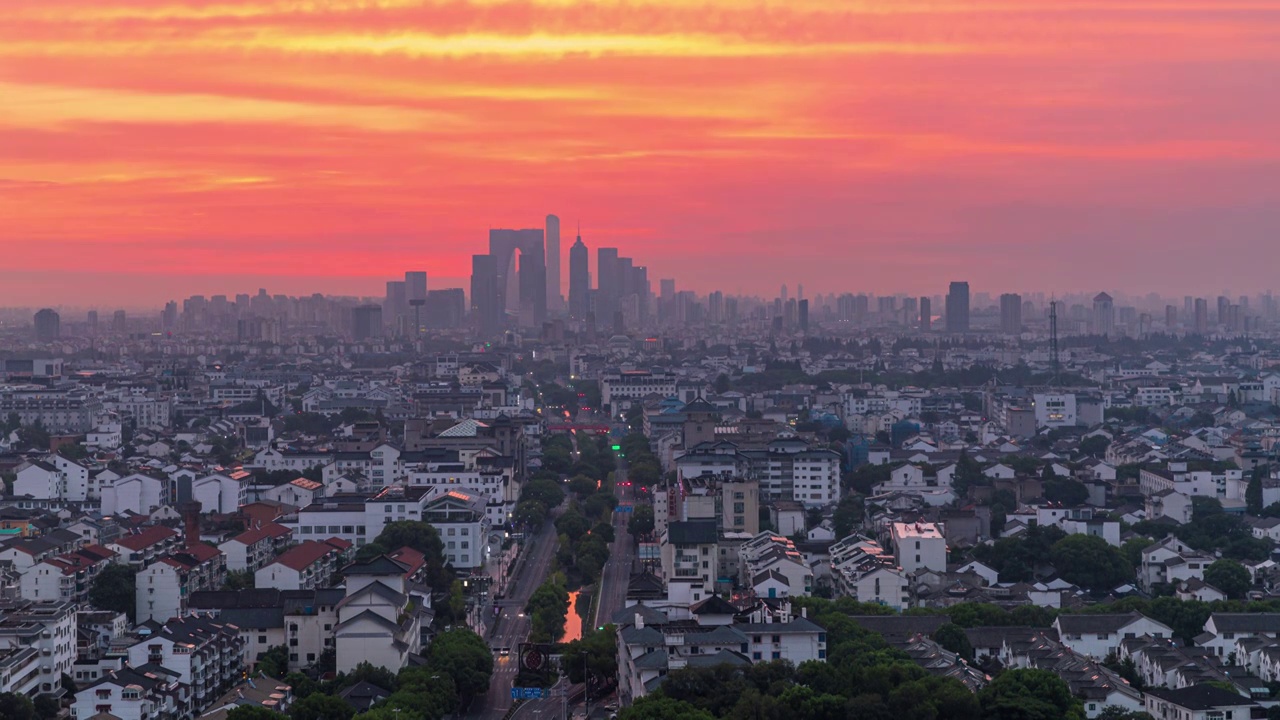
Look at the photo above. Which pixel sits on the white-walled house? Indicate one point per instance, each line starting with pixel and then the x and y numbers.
pixel 39 480
pixel 255 547
pixel 1098 636
pixel 375 622
pixel 219 493
pixel 136 493
pixel 307 566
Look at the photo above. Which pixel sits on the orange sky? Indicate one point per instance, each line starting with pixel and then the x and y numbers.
pixel 155 148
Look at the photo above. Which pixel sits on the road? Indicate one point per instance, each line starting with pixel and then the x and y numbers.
pixel 613 595
pixel 622 557
pixel 512 627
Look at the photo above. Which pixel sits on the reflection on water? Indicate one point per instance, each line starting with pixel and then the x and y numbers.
pixel 573 623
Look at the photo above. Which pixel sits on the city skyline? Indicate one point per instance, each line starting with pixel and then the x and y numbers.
pixel 157 149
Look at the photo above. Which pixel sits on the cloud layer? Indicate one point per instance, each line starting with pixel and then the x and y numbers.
pixel 846 144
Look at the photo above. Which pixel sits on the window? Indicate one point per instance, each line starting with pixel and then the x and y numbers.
pixel 777 638
pixel 464 544
pixel 822 654
pixel 262 638
pixel 755 656
pixel 293 657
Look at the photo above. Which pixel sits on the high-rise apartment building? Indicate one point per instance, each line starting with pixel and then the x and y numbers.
pixel 555 300
pixel 366 322
pixel 119 322
pixel 92 320
pixel 579 280
pixel 926 314
pixel 396 304
pixel 1011 313
pixel 802 315
pixel 48 325
pixel 607 285
pixel 958 307
pixel 487 311
pixel 415 285
pixel 1104 315
pixel 1202 316
pixel 1170 317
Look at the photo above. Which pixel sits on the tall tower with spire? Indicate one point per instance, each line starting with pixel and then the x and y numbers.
pixel 579 279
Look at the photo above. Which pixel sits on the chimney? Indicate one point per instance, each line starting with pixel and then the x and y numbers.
pixel 191 523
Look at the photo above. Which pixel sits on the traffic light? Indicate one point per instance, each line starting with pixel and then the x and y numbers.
pixel 616 448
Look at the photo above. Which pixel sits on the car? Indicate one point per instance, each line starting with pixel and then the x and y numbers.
pixel 504 651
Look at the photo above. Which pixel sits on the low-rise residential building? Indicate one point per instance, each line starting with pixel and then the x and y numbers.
pixel 306 566
pixel 206 654
pixel 1098 636
pixel 1199 702
pixel 256 546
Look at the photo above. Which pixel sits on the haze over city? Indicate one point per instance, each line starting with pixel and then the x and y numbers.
pixel 153 150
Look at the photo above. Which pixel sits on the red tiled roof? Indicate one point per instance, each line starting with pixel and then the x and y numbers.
pixel 301 556
pixel 409 557
pixel 146 538
pixel 267 530
pixel 339 543
pixel 97 551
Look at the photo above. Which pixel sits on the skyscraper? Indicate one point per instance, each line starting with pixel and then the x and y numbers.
pixel 579 280
pixel 415 285
pixel 555 301
pixel 92 320
pixel 528 283
pixel 926 314
pixel 1011 313
pixel 1170 317
pixel 1202 316
pixel 486 300
pixel 607 288
pixel 1104 314
pixel 396 304
pixel 958 308
pixel 119 322
pixel 48 325
pixel 366 322
pixel 802 314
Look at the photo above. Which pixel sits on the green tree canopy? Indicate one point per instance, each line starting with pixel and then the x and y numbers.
pixel 1230 577
pixel 321 707
pixel 641 521
pixel 953 638
pixel 1029 695
pixel 1088 561
pixel 115 589
pixel 465 657
pixel 253 712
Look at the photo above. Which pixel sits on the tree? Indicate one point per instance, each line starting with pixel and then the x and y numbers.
pixel 603 530
pixel 547 608
pixel 47 707
pixel 1253 491
pixel 722 384
pixel 582 485
pixel 661 707
pixel 590 556
pixel 573 524
pixel 601 647
pixel 641 521
pixel 953 638
pixel 1066 491
pixel 274 662
pixel 238 580
pixel 1095 446
pixel 1029 695
pixel 253 712
pixel 465 657
pixel 530 513
pixel 16 707
pixel 848 515
pixel 115 589
pixel 644 474
pixel 547 492
pixel 321 707
pixel 1230 577
pixel 1088 561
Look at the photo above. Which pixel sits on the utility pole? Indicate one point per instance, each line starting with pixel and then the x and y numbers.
pixel 586 689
